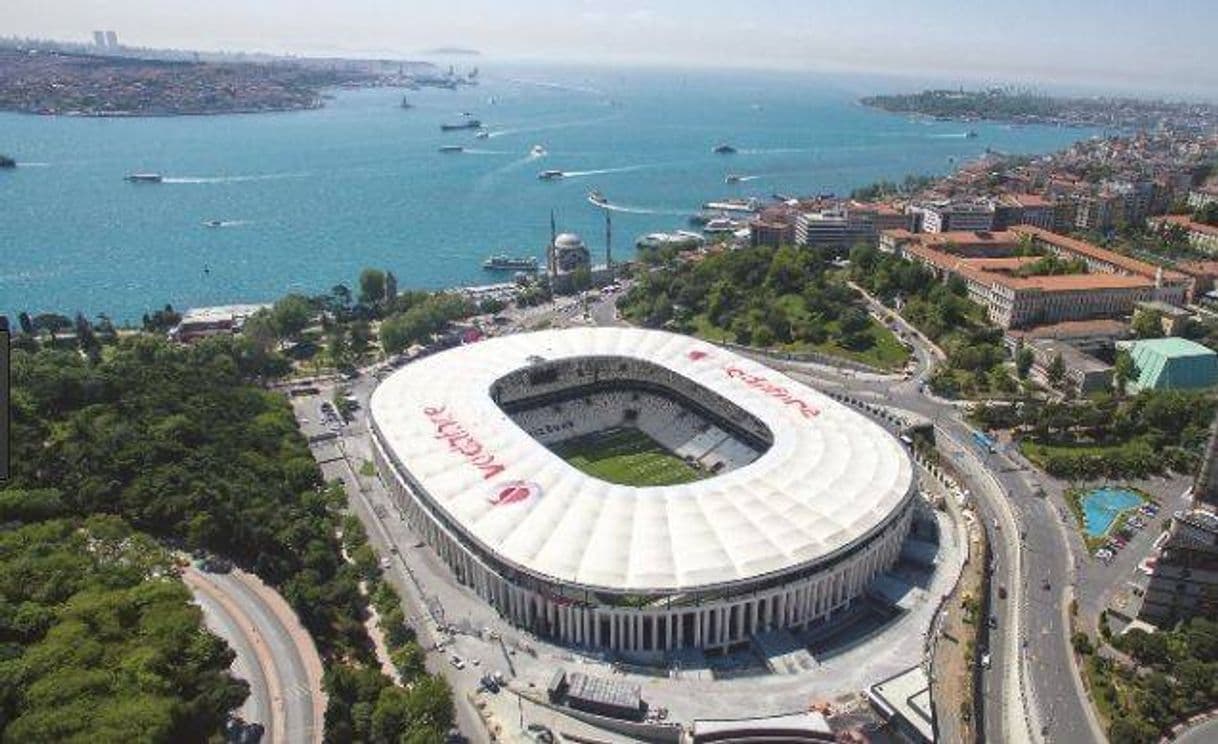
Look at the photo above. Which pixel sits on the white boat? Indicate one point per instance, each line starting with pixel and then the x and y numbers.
pixel 550 175
pixel 144 177
pixel 537 151
pixel 733 178
pixel 734 205
pixel 597 199
pixel 482 134
pixel 722 225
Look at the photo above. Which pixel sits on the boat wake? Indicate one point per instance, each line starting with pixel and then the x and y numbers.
pixel 476 151
pixel 548 127
pixel 774 150
pixel 558 86
pixel 627 209
pixel 23 164
pixel 603 171
pixel 949 135
pixel 232 179
pixel 227 223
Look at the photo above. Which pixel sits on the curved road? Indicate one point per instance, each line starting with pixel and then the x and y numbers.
pixel 1033 691
pixel 271 640
pixel 258 706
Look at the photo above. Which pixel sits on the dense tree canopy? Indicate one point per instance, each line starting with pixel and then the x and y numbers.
pixel 100 642
pixel 760 297
pixel 177 442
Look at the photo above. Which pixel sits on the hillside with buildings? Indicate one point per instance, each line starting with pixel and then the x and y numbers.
pixel 1028 107
pixel 117 81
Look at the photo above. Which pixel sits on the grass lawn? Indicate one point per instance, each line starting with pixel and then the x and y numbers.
pixel 628 457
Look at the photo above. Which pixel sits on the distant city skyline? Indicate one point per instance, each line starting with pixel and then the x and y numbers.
pixel 1136 45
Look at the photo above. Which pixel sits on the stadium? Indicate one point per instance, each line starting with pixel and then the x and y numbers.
pixel 640 491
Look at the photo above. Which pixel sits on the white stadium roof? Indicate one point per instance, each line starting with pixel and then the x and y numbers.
pixel 831 478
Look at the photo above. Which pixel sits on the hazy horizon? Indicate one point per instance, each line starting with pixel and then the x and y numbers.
pixel 1088 42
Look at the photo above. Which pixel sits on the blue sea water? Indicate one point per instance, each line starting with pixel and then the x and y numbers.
pixel 309 198
pixel 1102 506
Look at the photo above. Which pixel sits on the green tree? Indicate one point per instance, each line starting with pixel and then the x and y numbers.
pixel 1147 324
pixel 1056 372
pixel 1124 370
pixel 372 287
pixel 290 315
pixel 1023 362
pixel 581 279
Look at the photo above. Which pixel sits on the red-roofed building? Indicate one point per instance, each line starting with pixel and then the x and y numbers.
pixel 986 263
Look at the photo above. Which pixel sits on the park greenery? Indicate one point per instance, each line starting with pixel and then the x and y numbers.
pixel 1151 681
pixel 975 362
pixel 99 639
pixel 180 444
pixel 774 298
pixel 1107 436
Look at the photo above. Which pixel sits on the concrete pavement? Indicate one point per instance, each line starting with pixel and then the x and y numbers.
pixel 276 644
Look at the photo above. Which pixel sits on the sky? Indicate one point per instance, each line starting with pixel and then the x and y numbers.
pixel 1136 45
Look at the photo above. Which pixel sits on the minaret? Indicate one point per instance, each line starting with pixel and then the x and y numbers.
pixel 608 245
pixel 550 267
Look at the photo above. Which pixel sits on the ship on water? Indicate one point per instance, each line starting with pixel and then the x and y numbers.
pixel 451 148
pixel 733 205
pixel 469 122
pixel 597 199
pixel 503 262
pixel 724 148
pixel 144 177
pixel 550 175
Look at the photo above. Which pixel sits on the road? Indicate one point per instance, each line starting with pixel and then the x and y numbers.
pixel 1203 733
pixel 1057 707
pixel 1032 693
pixel 287 679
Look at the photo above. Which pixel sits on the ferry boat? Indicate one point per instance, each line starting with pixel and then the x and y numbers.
pixel 550 175
pixel 734 205
pixel 724 148
pixel 452 148
pixel 503 262
pixel 722 225
pixel 470 123
pixel 144 177
pixel 597 199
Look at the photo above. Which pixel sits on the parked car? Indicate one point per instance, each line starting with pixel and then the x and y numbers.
pixel 457 662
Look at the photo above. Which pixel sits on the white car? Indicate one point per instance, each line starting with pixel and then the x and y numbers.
pixel 985 661
pixel 457 662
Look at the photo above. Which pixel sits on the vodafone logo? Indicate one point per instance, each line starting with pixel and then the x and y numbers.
pixel 513 492
pixel 697 355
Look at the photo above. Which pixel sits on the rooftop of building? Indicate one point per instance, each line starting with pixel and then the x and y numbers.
pixel 1185 221
pixel 1074 330
pixel 1072 357
pixel 1198 268
pixel 1090 250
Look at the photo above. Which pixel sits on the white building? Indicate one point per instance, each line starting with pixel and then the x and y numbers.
pixel 804 504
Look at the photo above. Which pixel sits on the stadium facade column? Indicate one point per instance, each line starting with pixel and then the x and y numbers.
pixel 613 630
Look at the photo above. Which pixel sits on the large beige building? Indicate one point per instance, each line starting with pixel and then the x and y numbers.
pixel 988 264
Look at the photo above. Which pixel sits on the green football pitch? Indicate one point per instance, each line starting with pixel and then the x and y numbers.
pixel 628 457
